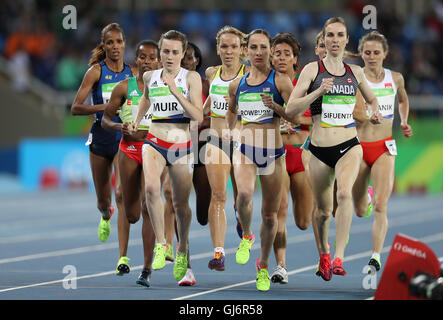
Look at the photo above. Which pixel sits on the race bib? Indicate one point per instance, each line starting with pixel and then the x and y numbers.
pixel 392 147
pixel 337 111
pixel 386 102
pixel 252 108
pixel 89 141
pixel 146 120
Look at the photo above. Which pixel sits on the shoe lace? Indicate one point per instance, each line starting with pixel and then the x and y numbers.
pixel 262 274
pixel 181 259
pixel 124 260
pixel 160 249
pixel 325 261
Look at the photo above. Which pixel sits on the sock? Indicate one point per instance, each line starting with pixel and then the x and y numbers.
pixel 376 256
pixel 106 214
pixel 219 249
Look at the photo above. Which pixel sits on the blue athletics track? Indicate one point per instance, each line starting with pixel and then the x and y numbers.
pixel 48 236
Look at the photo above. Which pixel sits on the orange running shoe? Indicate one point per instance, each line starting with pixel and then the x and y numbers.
pixel 324 267
pixel 337 267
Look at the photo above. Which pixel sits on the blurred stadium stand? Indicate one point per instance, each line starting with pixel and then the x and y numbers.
pixel 42 64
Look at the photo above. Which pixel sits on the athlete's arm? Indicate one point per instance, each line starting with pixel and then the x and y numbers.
pixel 210 72
pixel 359 113
pixel 194 107
pixel 299 102
pixel 374 114
pixel 231 114
pixel 118 97
pixel 284 86
pixel 144 103
pixel 403 104
pixel 92 76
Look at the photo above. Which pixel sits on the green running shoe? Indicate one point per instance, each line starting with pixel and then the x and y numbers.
pixel 180 266
pixel 242 254
pixel 160 256
pixel 263 283
pixel 170 253
pixel 123 266
pixel 104 228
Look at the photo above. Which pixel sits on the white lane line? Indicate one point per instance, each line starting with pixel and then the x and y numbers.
pixel 86 249
pixel 395 222
pixel 428 239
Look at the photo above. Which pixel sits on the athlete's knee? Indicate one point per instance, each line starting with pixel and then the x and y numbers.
pixel 152 190
pixel 270 219
pixel 380 203
pixel 244 197
pixel 303 223
pixel 167 191
pixel 132 218
pixel 181 208
pixel 103 204
pixel 118 195
pixel 361 209
pixel 218 195
pixel 323 212
pixel 343 195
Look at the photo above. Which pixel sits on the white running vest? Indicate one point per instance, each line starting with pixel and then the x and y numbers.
pixel 219 88
pixel 385 92
pixel 164 104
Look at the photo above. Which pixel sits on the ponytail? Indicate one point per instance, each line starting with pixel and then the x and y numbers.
pixel 351 55
pixel 98 55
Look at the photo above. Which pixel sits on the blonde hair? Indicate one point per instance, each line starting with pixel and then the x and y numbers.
pixel 99 53
pixel 318 38
pixel 373 36
pixel 236 32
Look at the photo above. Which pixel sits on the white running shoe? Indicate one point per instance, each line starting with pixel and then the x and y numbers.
pixel 280 275
pixel 188 279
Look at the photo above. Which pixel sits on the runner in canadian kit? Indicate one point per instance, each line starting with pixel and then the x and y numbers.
pixel 331 86
pixel 379 149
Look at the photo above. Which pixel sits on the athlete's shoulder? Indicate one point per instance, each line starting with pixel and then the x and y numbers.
pixel 233 85
pixel 398 79
pixel 193 76
pixel 121 88
pixel 356 69
pixel 311 67
pixel 210 72
pixel 134 70
pixel 94 70
pixel 147 76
